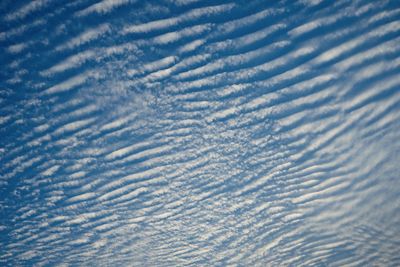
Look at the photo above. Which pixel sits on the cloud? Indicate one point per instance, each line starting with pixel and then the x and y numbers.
pixel 85 37
pixel 69 84
pixel 103 7
pixel 26 10
pixel 167 23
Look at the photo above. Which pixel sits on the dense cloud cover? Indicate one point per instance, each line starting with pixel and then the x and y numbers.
pixel 199 133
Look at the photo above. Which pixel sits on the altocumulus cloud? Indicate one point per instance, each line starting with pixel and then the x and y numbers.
pixel 199 133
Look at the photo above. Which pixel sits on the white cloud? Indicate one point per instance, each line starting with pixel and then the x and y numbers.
pixel 349 45
pixel 85 37
pixel 50 171
pixel 17 48
pixel 233 25
pixel 27 9
pixel 191 46
pixel 126 150
pixel 82 197
pixel 166 23
pixel 69 84
pixel 171 37
pixel 103 7
pixel 73 126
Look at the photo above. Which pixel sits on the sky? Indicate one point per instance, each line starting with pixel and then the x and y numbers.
pixel 199 133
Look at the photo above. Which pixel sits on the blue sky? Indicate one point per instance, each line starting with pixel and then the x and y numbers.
pixel 199 133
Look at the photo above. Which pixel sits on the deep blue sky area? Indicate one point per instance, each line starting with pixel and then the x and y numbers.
pixel 199 133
